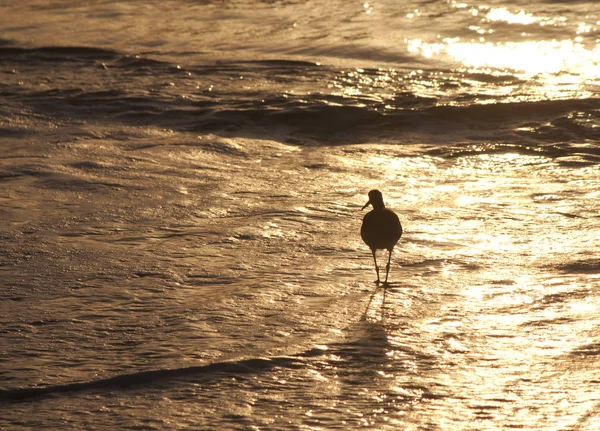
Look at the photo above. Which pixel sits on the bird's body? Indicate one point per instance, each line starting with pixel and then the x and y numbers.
pixel 381 229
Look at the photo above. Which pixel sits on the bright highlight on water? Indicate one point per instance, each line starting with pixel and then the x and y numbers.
pixel 179 229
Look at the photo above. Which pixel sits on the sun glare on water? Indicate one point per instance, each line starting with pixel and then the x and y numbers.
pixel 531 57
pixel 574 60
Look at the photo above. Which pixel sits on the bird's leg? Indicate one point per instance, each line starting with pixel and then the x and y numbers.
pixel 387 267
pixel 376 267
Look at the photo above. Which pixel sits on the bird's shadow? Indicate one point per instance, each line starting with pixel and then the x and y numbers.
pixel 385 287
pixel 389 285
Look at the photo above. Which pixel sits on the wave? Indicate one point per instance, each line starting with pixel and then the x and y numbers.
pixel 140 94
pixel 365 345
pixel 144 378
pixel 592 349
pixel 56 53
pixel 583 266
pixel 324 117
pixel 137 61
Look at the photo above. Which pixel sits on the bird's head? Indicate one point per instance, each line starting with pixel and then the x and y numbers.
pixel 375 199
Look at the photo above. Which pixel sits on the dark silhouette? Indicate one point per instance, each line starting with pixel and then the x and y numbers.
pixel 381 229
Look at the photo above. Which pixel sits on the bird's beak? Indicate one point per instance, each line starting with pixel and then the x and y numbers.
pixel 366 205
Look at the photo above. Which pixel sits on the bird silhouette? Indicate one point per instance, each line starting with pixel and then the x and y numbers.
pixel 380 230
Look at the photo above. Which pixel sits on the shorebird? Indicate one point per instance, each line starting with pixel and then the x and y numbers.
pixel 381 229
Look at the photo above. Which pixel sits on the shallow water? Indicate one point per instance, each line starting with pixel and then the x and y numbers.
pixel 180 206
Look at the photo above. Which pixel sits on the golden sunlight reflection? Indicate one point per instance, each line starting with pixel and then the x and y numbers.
pixel 521 17
pixel 528 57
pixel 561 65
